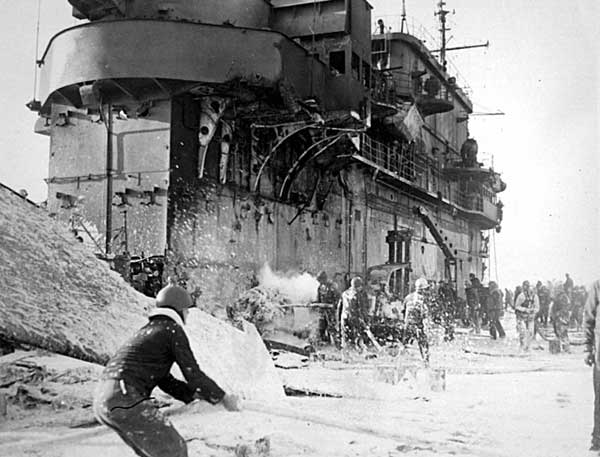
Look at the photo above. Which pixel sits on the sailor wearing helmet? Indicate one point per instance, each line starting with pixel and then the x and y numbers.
pixel 122 400
pixel 527 306
pixel 328 294
pixel 416 318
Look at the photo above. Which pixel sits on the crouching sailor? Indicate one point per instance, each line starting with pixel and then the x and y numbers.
pixel 122 400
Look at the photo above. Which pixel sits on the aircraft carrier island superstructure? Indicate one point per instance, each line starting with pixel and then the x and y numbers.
pixel 218 135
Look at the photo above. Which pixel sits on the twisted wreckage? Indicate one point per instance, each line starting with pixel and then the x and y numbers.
pixel 209 137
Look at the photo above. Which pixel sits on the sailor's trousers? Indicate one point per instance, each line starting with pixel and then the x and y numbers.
pixel 137 420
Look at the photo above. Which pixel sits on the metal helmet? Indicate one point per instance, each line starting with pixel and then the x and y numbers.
pixel 421 284
pixel 174 297
pixel 356 282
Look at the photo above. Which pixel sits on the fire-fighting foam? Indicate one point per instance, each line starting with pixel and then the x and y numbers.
pixel 297 287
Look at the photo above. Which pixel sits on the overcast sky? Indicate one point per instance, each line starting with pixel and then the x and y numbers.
pixel 542 69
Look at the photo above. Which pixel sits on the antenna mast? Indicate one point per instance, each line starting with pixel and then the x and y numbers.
pixel 403 18
pixel 442 13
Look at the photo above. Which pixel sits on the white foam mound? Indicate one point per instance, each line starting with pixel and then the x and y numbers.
pixel 56 295
pixel 236 360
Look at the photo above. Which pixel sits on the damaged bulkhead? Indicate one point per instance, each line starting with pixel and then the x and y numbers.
pixel 273 127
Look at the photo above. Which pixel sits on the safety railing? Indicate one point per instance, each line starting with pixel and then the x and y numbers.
pixel 482 201
pixel 405 161
pixel 397 159
pixel 391 85
pixel 393 24
pixel 472 201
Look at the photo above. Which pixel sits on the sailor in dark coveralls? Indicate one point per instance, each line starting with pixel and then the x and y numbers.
pixel 122 400
pixel 495 309
pixel 328 293
pixel 560 319
pixel 473 306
